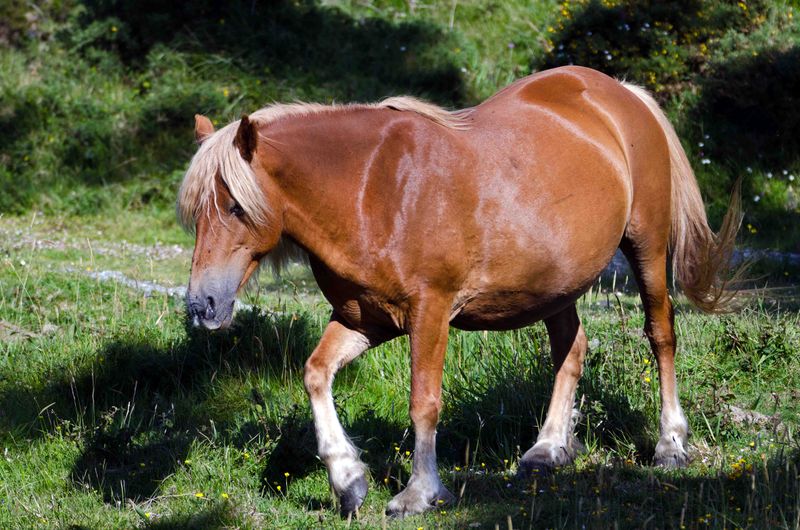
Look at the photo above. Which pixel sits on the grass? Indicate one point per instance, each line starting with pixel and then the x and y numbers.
pixel 114 413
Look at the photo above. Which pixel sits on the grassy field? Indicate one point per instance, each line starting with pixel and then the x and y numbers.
pixel 114 413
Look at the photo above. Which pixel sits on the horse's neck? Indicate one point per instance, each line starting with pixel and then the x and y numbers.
pixel 321 174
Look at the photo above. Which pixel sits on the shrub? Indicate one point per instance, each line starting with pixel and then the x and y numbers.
pixel 656 43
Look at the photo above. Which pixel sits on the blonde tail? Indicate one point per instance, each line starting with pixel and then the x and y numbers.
pixel 702 261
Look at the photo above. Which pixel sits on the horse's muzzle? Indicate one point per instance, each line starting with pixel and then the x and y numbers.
pixel 206 310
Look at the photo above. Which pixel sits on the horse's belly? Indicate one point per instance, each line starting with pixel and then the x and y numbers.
pixel 501 311
pixel 516 292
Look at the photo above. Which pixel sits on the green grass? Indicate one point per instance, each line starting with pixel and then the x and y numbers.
pixel 114 413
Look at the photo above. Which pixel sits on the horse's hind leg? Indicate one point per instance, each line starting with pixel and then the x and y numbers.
pixel 556 444
pixel 339 345
pixel 649 263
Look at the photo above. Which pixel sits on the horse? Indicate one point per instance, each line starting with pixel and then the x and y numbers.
pixel 414 218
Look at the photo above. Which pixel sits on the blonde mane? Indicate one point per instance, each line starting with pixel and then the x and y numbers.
pixel 451 119
pixel 218 156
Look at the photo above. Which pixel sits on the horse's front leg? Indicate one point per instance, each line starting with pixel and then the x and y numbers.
pixel 339 345
pixel 556 445
pixel 429 327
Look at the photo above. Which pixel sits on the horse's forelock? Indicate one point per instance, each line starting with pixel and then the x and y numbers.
pixel 198 192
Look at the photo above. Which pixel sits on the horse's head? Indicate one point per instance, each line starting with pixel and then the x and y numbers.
pixel 225 199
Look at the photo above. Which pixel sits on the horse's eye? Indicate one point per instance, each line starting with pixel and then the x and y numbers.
pixel 236 210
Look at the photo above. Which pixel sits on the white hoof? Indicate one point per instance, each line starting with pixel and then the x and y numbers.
pixel 670 452
pixel 417 498
pixel 545 456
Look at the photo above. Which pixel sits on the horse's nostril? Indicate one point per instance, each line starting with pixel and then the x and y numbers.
pixel 209 314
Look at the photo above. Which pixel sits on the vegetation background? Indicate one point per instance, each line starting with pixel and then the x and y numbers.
pixel 97 94
pixel 114 414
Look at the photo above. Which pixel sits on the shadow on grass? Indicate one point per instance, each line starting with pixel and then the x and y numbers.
pixel 121 466
pixel 501 419
pixel 294 453
pixel 759 493
pixel 137 438
pixel 139 407
pixel 219 515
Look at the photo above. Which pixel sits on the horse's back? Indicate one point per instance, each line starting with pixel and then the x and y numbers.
pixel 555 193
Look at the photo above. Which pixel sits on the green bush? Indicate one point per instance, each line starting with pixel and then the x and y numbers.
pixel 107 97
pixel 97 96
pixel 659 44
pixel 23 21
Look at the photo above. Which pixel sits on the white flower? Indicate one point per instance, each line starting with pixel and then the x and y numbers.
pixel 756 198
pixel 700 144
pixel 705 161
pixel 769 174
pixel 791 178
pixel 749 169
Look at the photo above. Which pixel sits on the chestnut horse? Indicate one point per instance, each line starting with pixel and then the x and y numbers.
pixel 415 219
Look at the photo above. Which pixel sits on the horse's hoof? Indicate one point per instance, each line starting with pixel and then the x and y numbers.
pixel 353 496
pixel 670 454
pixel 545 456
pixel 672 459
pixel 412 502
pixel 534 468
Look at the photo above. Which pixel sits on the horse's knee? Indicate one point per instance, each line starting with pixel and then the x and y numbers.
pixel 316 377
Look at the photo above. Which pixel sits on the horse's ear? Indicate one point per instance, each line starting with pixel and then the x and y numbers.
pixel 203 128
pixel 246 138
